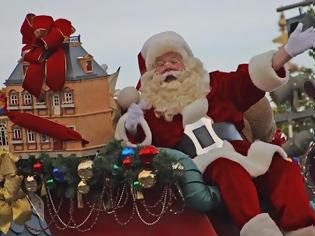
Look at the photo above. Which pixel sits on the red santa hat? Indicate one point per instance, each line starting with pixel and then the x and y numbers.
pixel 159 44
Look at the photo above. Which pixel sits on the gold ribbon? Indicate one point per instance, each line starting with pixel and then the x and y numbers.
pixel 14 205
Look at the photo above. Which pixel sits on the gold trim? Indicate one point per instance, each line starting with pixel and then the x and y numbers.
pixel 45 44
pixel 64 36
pixel 66 150
pixel 80 115
pixel 84 149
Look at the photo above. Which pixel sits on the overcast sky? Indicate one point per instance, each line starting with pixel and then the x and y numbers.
pixel 222 33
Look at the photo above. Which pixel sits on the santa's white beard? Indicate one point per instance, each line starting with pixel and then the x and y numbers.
pixel 169 98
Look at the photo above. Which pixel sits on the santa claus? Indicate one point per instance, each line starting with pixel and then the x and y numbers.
pixel 183 106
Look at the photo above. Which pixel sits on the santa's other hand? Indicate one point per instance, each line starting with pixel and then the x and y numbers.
pixel 299 41
pixel 134 115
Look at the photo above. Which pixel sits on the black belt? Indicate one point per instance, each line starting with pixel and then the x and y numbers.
pixel 225 131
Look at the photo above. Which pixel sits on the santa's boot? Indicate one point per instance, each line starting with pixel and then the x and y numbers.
pixel 307 231
pixel 261 225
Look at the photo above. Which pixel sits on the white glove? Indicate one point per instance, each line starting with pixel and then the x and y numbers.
pixel 300 41
pixel 134 115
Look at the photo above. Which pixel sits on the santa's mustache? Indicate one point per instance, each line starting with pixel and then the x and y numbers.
pixel 170 76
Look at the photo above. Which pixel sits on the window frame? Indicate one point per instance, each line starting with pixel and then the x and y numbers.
pixel 27 99
pixel 16 130
pixel 14 94
pixel 30 133
pixel 66 95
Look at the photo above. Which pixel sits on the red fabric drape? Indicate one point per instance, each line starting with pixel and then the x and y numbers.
pixel 44 126
pixel 187 223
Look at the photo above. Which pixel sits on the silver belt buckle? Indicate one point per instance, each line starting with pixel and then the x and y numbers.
pixel 203 135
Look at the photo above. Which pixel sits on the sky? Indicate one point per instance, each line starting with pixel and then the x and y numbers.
pixel 221 33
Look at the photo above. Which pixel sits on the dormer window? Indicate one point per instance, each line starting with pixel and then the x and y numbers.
pixel 89 65
pixel 27 98
pixel 86 63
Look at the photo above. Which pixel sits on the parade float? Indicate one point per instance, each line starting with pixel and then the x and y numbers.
pixel 63 173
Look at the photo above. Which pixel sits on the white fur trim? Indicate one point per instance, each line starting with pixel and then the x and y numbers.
pixel 161 43
pixel 263 75
pixel 194 111
pixel 307 231
pixel 120 133
pixel 256 162
pixel 260 225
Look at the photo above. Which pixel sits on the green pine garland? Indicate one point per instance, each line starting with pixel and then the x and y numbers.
pixel 162 165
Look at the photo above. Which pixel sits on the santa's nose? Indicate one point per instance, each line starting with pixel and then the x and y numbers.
pixel 168 67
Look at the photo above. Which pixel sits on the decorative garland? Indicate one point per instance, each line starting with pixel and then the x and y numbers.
pixel 142 167
pixel 112 178
pixel 308 168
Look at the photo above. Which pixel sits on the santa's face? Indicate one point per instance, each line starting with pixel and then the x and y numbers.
pixel 173 84
pixel 170 61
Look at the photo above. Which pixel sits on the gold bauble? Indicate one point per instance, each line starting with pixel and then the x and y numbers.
pixel 85 169
pixel 139 195
pixel 147 179
pixel 83 188
pixel 30 184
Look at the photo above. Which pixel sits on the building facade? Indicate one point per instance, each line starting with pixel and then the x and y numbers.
pixel 84 104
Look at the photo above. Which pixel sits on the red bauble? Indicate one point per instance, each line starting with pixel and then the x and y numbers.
pixel 147 153
pixel 148 150
pixel 38 166
pixel 127 162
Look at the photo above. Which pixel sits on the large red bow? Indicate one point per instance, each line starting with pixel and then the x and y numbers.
pixel 44 51
pixel 44 41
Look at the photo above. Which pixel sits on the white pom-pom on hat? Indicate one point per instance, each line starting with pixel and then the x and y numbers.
pixel 127 96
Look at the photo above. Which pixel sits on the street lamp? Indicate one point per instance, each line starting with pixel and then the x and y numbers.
pixel 307 19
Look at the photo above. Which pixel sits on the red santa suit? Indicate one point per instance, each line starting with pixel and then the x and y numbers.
pixel 245 170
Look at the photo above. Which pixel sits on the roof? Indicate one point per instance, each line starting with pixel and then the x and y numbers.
pixel 74 51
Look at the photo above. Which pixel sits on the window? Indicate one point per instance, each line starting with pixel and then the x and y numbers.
pixel 3 134
pixel 68 96
pixel 72 127
pixel 30 136
pixel 89 66
pixel 17 133
pixel 44 138
pixel 41 98
pixel 86 63
pixel 56 101
pixel 14 98
pixel 27 98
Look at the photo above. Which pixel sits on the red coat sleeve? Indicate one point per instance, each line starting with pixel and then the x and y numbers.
pixel 237 86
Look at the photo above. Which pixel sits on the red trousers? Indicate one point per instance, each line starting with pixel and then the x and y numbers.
pixel 282 186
